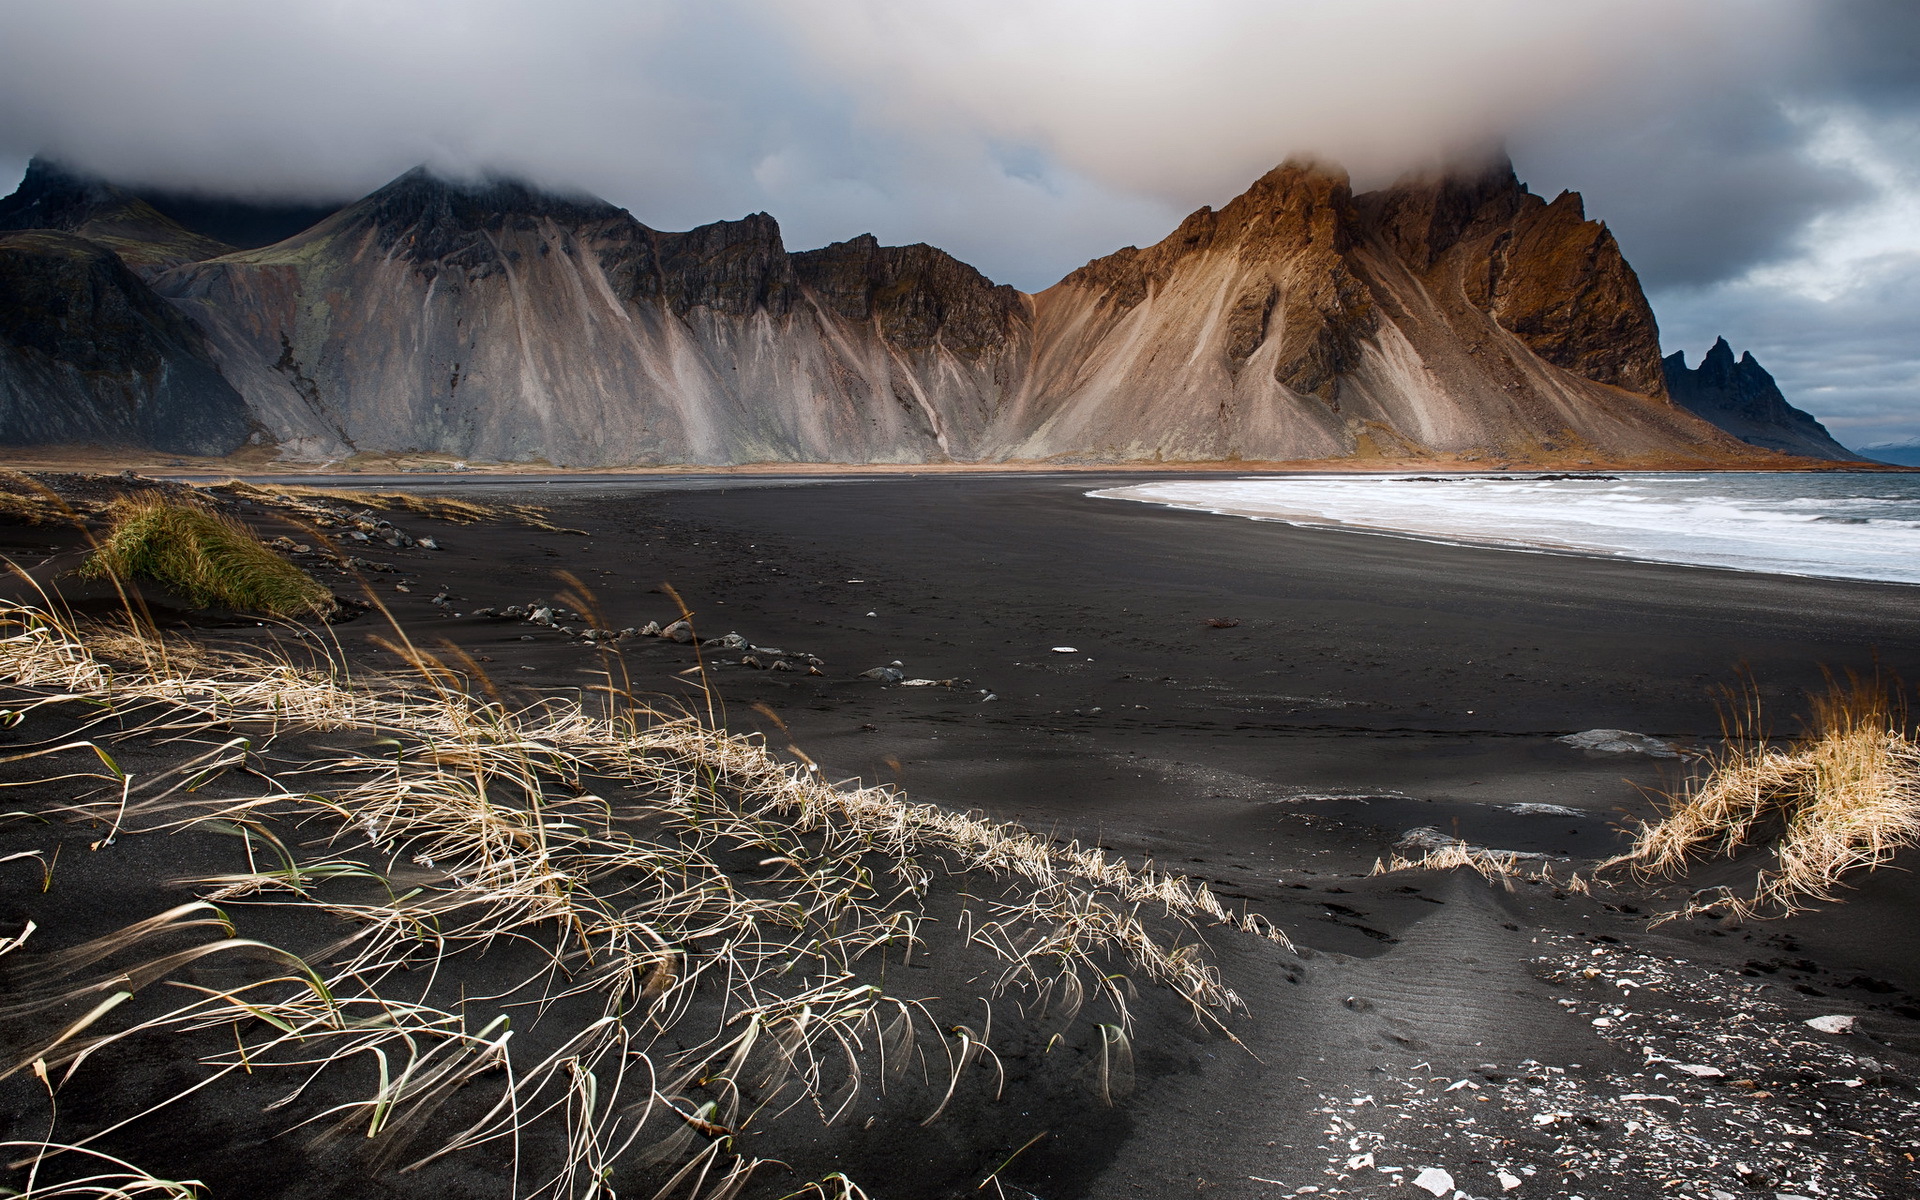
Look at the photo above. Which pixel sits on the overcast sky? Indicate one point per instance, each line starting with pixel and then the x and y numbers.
pixel 1757 158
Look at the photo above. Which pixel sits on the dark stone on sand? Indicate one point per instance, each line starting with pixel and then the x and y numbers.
pixel 1618 741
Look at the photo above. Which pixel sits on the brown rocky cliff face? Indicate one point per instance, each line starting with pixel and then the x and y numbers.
pixel 1543 271
pixel 914 295
pixel 1302 216
pixel 730 267
pixel 1289 234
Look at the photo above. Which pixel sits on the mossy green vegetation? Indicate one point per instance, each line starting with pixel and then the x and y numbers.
pixel 210 559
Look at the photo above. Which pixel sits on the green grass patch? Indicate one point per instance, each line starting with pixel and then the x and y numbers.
pixel 212 560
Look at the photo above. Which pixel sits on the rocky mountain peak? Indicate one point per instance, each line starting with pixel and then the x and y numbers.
pixel 51 196
pixel 1300 206
pixel 428 217
pixel 1741 397
pixel 1542 270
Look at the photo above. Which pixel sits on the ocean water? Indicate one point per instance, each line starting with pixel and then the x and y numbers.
pixel 1841 526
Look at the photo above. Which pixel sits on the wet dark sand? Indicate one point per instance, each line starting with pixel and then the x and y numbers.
pixel 1425 683
pixel 1371 684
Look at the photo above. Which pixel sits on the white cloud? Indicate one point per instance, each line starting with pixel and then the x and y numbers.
pixel 1025 135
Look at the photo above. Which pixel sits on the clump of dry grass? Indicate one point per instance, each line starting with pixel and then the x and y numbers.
pixel 1495 866
pixel 323 506
pixel 205 556
pixel 1843 797
pixel 678 995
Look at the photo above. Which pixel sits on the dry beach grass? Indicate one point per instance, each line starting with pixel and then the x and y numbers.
pixel 704 929
pixel 1843 797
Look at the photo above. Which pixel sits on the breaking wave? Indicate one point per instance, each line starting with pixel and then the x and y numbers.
pixel 1841 526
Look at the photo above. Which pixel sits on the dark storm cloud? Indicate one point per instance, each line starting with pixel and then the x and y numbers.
pixel 1696 195
pixel 1870 51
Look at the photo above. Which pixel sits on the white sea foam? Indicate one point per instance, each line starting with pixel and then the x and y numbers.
pixel 1842 525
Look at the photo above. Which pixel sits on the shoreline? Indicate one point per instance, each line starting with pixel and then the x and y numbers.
pixel 1471 541
pixel 1369 686
pixel 256 464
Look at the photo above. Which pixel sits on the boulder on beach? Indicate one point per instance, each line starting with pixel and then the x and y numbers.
pixel 1618 741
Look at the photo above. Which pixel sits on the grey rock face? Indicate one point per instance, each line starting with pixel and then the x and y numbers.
pixel 1742 398
pixel 90 356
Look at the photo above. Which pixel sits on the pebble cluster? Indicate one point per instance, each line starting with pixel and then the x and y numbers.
pixel 1738 1095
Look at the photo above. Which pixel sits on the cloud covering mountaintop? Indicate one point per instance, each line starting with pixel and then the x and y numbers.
pixel 1753 155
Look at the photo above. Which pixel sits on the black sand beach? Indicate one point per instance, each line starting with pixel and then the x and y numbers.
pixel 1270 709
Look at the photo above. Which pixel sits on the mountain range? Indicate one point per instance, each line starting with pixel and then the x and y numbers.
pixel 1455 318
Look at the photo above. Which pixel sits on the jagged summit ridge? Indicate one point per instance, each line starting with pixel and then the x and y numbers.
pixel 1452 314
pixel 1742 398
pixel 1448 316
pixel 916 296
